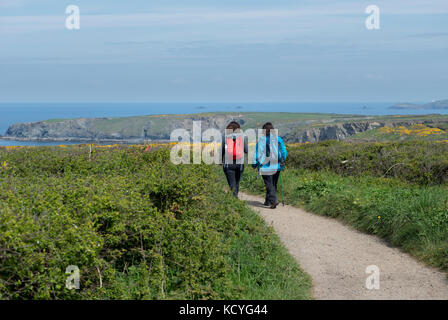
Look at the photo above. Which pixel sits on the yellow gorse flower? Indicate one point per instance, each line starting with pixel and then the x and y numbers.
pixel 418 130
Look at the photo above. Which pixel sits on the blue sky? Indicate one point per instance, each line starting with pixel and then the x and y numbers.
pixel 208 50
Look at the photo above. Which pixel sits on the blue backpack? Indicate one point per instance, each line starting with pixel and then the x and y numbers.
pixel 274 156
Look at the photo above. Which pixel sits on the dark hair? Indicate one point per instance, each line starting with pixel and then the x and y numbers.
pixel 233 126
pixel 268 127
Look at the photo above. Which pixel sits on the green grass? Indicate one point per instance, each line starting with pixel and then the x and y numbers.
pixel 137 227
pixel 412 217
pixel 54 120
pixel 263 266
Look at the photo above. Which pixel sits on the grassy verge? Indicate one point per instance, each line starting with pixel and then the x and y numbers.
pixel 136 226
pixel 262 266
pixel 412 217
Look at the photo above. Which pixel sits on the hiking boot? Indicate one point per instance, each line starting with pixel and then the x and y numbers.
pixel 267 204
pixel 274 205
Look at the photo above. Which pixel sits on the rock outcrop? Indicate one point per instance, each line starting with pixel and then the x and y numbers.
pixel 159 128
pixel 331 132
pixel 63 130
pixel 133 129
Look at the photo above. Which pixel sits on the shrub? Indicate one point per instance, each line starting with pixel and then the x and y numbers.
pixel 421 162
pixel 137 227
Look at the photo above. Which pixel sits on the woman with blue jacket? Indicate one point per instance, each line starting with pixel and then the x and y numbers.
pixel 269 158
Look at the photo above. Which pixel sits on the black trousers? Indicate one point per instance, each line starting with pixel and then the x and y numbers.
pixel 271 187
pixel 233 174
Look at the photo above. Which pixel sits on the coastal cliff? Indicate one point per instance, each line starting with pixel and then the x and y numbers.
pixel 331 132
pixel 159 127
pixel 132 129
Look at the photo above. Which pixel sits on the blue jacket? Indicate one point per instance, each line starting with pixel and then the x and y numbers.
pixel 261 161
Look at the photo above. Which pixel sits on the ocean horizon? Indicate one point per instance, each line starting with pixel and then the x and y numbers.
pixel 32 112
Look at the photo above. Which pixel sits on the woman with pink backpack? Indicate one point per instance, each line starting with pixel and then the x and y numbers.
pixel 234 148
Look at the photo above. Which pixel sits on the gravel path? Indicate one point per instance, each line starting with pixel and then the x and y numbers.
pixel 336 256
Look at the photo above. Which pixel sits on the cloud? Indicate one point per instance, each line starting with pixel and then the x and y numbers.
pixel 19 24
pixel 11 3
pixel 428 35
pixel 134 42
pixel 202 15
pixel 374 76
pixel 395 7
pixel 211 19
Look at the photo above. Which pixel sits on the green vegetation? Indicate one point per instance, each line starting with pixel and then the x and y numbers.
pixel 159 127
pixel 425 163
pixel 159 124
pixel 282 119
pixel 163 124
pixel 55 120
pixel 358 184
pixel 137 227
pixel 294 127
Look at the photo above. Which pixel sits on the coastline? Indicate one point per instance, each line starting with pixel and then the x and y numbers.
pixel 299 127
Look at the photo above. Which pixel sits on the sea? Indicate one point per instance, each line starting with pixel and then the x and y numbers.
pixel 30 112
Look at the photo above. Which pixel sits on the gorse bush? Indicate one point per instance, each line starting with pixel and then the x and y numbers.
pixel 421 162
pixel 136 226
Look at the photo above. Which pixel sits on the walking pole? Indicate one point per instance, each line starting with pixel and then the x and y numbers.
pixel 281 188
pixel 258 172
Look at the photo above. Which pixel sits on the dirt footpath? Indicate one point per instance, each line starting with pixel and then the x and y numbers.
pixel 337 256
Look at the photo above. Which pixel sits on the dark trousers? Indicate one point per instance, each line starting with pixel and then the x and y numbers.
pixel 233 174
pixel 271 187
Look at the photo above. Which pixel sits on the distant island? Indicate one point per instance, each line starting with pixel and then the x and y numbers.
pixel 440 104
